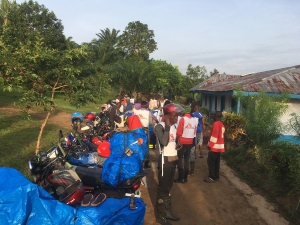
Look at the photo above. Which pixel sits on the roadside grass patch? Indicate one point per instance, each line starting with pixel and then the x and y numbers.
pixel 18 140
pixel 9 98
pixel 273 173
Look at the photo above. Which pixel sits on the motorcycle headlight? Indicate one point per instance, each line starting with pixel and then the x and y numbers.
pixel 53 153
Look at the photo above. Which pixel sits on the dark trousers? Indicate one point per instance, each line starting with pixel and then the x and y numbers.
pixel 183 161
pixel 213 162
pixel 165 182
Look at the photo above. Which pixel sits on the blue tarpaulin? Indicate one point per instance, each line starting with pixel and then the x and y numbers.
pixel 91 159
pixel 116 169
pixel 120 141
pixel 22 202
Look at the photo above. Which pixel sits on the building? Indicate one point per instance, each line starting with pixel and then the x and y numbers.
pixel 217 91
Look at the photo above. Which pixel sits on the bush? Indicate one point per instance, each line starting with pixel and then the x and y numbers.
pixel 234 129
pixel 278 176
pixel 246 166
pixel 283 163
pixel 263 115
pixel 204 111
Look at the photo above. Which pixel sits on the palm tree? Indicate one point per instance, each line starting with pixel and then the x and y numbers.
pixel 71 44
pixel 108 37
pixel 106 46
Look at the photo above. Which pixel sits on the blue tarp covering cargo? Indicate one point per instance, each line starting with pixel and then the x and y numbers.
pixel 122 140
pixel 117 169
pixel 22 202
pixel 91 159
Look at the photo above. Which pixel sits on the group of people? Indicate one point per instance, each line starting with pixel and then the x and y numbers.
pixel 178 135
pixel 120 106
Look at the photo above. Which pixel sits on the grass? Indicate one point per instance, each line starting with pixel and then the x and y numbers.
pixel 8 99
pixel 18 136
pixel 258 176
pixel 18 140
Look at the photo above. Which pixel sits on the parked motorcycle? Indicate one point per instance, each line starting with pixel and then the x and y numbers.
pixel 68 183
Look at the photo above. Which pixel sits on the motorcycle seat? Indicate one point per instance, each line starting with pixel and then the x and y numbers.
pixel 90 176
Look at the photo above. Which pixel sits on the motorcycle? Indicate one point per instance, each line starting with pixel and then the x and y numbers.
pixel 97 125
pixel 68 183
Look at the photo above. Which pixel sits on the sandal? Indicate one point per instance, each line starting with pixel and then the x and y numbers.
pixel 99 199
pixel 87 199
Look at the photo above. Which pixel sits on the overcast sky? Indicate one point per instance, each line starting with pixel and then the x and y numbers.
pixel 233 36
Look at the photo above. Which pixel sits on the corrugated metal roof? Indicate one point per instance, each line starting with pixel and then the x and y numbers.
pixel 273 81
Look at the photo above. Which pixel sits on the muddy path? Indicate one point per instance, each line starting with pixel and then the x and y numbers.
pixel 225 202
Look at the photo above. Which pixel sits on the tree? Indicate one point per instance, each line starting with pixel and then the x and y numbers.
pixel 71 44
pixel 126 57
pixel 105 48
pixel 40 66
pixel 137 39
pixel 109 38
pixel 197 73
pixel 5 6
pixel 263 114
pixel 164 78
pixel 40 72
pixel 128 74
pixel 214 72
pixel 28 20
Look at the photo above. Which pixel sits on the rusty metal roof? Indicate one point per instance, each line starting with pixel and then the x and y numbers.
pixel 272 81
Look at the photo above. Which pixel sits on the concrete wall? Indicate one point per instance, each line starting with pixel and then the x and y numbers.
pixel 293 107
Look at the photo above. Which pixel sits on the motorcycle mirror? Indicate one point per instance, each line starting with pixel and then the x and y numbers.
pixel 30 166
pixel 56 152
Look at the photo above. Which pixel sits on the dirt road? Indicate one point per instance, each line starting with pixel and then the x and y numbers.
pixel 225 202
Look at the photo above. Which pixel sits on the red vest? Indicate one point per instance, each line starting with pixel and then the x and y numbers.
pixel 216 141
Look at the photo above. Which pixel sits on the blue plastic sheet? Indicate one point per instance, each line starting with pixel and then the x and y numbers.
pixel 117 169
pixel 83 160
pixel 91 159
pixel 22 202
pixel 122 140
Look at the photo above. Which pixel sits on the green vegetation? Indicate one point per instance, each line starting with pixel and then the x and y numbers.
pixel 252 151
pixel 40 62
pixel 263 113
pixel 9 98
pixel 18 140
pixel 277 178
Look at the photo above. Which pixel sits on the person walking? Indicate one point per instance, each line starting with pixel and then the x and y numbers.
pixel 145 116
pixel 114 114
pixel 129 106
pixel 166 142
pixel 200 127
pixel 215 147
pixel 186 132
pixel 152 103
